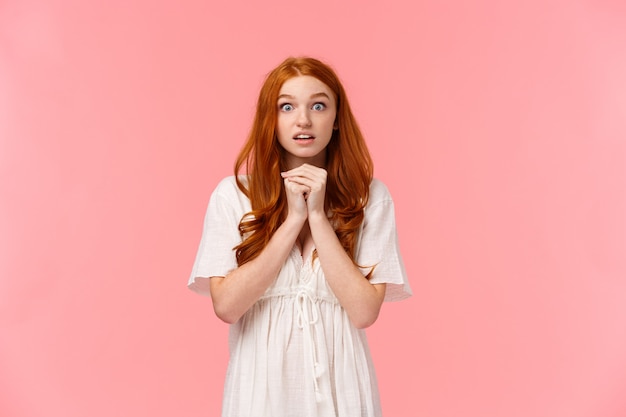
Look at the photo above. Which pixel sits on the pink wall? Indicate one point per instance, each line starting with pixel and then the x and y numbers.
pixel 499 128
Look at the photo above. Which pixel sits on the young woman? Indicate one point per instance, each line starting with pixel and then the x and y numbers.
pixel 299 253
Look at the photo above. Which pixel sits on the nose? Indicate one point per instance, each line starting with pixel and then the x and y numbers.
pixel 303 118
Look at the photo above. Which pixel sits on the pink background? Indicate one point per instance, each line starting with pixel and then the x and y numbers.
pixel 499 128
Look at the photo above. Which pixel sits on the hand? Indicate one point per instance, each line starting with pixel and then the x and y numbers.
pixel 296 200
pixel 310 182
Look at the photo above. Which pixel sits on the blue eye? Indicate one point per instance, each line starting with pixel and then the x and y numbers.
pixel 319 106
pixel 286 107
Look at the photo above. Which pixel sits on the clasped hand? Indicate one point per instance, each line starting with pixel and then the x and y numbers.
pixel 306 188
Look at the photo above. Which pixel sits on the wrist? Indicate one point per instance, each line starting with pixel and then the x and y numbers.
pixel 295 220
pixel 318 217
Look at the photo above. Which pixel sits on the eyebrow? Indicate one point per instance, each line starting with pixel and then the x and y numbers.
pixel 313 96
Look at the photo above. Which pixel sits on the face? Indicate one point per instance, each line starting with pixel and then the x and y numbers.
pixel 306 119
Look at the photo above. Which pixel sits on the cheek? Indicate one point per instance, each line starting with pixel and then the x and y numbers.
pixel 330 123
pixel 281 127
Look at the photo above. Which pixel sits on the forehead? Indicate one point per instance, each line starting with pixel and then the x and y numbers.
pixel 305 86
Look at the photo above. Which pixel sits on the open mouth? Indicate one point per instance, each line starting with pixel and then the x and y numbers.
pixel 304 137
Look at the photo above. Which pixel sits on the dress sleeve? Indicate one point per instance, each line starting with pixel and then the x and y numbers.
pixel 216 256
pixel 378 246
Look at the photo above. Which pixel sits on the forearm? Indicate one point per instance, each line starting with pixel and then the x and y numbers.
pixel 360 299
pixel 235 293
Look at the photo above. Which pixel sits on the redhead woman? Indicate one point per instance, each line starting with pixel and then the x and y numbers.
pixel 298 253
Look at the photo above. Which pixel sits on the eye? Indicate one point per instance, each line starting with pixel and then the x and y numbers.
pixel 319 106
pixel 285 107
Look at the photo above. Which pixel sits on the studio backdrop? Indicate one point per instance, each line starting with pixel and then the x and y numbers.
pixel 499 128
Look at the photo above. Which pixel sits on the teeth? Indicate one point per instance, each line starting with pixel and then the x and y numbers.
pixel 303 137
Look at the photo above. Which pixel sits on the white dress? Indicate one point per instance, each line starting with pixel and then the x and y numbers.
pixel 295 353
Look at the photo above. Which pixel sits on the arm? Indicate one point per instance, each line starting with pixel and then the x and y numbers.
pixel 235 293
pixel 361 300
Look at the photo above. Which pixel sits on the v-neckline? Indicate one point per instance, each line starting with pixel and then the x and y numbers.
pixel 302 255
pixel 305 252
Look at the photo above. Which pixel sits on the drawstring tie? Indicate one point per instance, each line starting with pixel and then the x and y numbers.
pixel 308 315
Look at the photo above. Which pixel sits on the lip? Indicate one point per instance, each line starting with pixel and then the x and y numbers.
pixel 310 134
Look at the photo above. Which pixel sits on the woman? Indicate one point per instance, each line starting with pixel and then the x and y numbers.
pixel 299 254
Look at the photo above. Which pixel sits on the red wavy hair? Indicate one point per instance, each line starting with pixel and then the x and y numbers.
pixel 348 163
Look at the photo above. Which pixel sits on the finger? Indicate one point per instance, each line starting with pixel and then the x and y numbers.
pixel 305 170
pixel 307 178
pixel 302 181
pixel 295 187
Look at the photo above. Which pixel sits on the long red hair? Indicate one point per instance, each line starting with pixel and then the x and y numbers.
pixel 348 163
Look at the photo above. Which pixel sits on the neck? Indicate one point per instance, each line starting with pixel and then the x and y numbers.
pixel 294 162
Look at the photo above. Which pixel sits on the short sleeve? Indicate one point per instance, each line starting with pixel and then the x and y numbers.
pixel 378 245
pixel 220 234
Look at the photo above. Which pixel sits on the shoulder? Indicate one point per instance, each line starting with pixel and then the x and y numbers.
pixel 379 193
pixel 227 187
pixel 227 193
